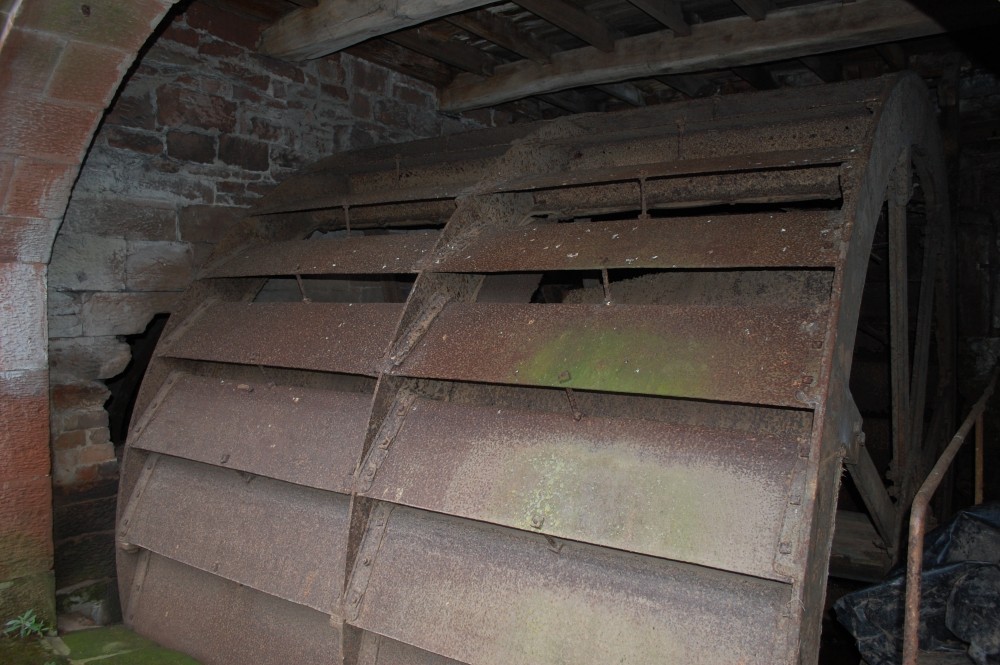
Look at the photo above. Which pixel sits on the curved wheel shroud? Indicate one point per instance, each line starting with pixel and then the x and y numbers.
pixel 632 475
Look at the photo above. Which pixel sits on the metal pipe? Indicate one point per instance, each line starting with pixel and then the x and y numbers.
pixel 918 520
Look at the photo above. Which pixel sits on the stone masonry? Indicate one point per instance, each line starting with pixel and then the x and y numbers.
pixel 60 64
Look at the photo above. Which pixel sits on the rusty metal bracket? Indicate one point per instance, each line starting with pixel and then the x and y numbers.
pixel 158 399
pixel 418 328
pixel 163 348
pixel 133 501
pixel 141 566
pixel 384 438
pixel 378 524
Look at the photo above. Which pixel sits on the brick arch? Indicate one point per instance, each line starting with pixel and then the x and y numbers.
pixel 60 65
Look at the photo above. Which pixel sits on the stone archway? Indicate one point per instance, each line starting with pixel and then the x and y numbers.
pixel 61 62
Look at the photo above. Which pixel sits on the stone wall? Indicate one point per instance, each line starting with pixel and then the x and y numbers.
pixel 60 65
pixel 202 127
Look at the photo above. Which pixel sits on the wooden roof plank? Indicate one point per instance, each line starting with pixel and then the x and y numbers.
pixel 755 9
pixel 573 20
pixel 503 32
pixel 788 33
pixel 667 12
pixel 332 25
pixel 456 54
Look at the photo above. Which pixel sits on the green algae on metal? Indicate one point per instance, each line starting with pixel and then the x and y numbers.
pixel 625 361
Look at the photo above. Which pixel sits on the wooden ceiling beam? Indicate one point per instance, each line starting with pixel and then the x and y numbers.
pixel 690 85
pixel 759 76
pixel 332 25
pixel 787 33
pixel 404 61
pixel 667 12
pixel 456 54
pixel 755 9
pixel 504 33
pixel 573 20
pixel 827 68
pixel 625 92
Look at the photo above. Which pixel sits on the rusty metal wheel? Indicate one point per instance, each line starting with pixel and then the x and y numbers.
pixel 574 392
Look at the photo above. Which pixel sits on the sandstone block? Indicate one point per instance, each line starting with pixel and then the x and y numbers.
pixel 88 73
pixel 159 266
pixel 24 424
pixel 86 262
pixel 191 147
pixel 87 358
pixel 207 224
pixel 25 526
pixel 178 107
pixel 246 153
pixel 126 313
pixel 26 239
pixel 22 313
pixel 29 592
pixel 129 218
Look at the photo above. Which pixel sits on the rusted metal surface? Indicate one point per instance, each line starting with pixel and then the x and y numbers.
pixel 762 161
pixel 645 472
pixel 918 522
pixel 372 254
pixel 379 650
pixel 305 436
pixel 707 496
pixel 198 514
pixel 760 187
pixel 220 622
pixel 495 596
pixel 798 239
pixel 330 337
pixel 736 354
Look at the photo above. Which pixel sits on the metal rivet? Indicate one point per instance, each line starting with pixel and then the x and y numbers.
pixel 85 10
pixel 564 376
pixel 537 521
pixel 367 561
pixel 785 548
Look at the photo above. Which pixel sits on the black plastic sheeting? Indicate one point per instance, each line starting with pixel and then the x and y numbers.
pixel 960 596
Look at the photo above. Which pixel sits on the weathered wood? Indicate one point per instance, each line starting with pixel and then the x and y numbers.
pixel 573 20
pixel 503 32
pixel 667 12
pixel 456 54
pixel 790 33
pixel 690 85
pixel 332 25
pixel 755 9
pixel 573 101
pixel 403 60
pixel 759 76
pixel 894 56
pixel 625 92
pixel 826 68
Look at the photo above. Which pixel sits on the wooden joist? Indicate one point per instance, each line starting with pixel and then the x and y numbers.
pixel 789 33
pixel 755 9
pixel 456 54
pixel 332 25
pixel 503 32
pixel 667 12
pixel 573 20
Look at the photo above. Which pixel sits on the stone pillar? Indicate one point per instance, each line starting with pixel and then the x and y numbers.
pixel 60 65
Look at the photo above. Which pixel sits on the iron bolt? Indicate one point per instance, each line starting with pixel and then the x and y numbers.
pixel 537 521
